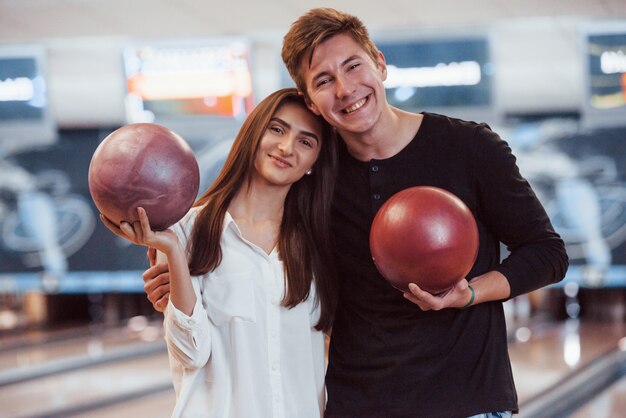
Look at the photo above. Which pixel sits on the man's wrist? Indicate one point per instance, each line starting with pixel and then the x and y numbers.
pixel 472 296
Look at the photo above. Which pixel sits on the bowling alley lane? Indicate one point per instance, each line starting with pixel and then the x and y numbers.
pixel 22 354
pixel 158 405
pixel 543 354
pixel 546 353
pixel 574 367
pixel 609 403
pixel 76 370
pixel 80 391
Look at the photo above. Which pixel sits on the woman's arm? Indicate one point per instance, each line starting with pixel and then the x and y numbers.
pixel 182 294
pixel 187 329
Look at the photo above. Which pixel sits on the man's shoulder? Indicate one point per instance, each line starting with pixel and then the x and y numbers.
pixel 453 129
pixel 452 122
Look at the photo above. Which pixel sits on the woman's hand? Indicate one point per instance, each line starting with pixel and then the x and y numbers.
pixel 140 233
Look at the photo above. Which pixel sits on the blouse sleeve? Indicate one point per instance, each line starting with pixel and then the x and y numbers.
pixel 188 338
pixel 512 212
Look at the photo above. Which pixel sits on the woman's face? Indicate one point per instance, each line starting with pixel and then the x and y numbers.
pixel 290 145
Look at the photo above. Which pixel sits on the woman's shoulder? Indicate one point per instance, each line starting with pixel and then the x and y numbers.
pixel 184 227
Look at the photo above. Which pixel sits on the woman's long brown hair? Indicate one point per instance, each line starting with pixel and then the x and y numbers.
pixel 304 242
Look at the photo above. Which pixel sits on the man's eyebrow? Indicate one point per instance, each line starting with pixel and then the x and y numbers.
pixel 288 126
pixel 350 58
pixel 344 62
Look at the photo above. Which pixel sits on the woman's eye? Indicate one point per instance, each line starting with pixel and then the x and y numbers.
pixel 276 129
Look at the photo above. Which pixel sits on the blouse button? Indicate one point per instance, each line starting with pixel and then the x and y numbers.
pixel 376 196
pixel 374 168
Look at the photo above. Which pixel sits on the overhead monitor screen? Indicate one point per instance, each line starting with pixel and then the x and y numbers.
pixel 452 76
pixel 605 95
pixel 22 89
pixel 25 118
pixel 188 84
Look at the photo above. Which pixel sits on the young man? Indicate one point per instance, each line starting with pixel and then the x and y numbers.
pixel 389 358
pixel 447 356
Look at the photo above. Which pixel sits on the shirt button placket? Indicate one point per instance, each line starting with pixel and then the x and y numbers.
pixel 375 185
pixel 274 293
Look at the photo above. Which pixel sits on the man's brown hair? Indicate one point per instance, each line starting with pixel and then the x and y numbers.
pixel 313 28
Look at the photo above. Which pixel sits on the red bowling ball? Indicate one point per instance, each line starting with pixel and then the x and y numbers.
pixel 424 235
pixel 147 165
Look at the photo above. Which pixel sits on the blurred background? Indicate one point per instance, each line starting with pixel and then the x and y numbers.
pixel 77 335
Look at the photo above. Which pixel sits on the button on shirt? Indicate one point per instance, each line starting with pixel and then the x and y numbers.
pixel 240 353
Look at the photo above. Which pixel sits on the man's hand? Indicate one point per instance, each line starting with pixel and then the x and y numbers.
pixel 492 285
pixel 156 281
pixel 456 297
pixel 157 285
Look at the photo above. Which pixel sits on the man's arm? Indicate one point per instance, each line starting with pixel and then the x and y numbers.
pixel 512 213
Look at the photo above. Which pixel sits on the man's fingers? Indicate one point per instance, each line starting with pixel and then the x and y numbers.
pixel 154 271
pixel 158 292
pixel 159 281
pixel 151 255
pixel 161 304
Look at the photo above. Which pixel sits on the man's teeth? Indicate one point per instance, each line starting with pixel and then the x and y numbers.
pixel 355 106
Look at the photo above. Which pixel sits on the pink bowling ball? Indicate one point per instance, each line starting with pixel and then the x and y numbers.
pixel 147 165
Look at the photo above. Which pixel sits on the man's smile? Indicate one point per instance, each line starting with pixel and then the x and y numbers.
pixel 356 105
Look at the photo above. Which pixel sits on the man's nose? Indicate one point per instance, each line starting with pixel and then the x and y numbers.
pixel 343 86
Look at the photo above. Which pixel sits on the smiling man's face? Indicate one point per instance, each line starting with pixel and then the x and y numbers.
pixel 344 84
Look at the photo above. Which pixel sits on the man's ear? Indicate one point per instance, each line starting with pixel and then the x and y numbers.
pixel 310 104
pixel 382 65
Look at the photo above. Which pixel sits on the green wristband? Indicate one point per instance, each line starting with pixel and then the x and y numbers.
pixel 468 304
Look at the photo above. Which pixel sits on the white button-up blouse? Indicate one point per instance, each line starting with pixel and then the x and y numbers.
pixel 240 353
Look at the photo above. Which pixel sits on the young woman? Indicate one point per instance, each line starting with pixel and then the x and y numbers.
pixel 251 287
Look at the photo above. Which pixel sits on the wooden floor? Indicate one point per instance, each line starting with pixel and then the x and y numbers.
pixel 123 372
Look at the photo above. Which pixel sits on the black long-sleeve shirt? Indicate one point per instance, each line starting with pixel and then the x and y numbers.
pixel 387 357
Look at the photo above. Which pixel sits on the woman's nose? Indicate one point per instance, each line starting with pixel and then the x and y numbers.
pixel 286 145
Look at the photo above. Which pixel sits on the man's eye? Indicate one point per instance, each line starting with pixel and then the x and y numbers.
pixel 322 82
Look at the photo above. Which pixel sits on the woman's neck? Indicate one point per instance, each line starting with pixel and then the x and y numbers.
pixel 258 212
pixel 258 202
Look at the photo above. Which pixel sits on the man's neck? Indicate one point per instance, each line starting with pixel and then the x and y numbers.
pixel 390 135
